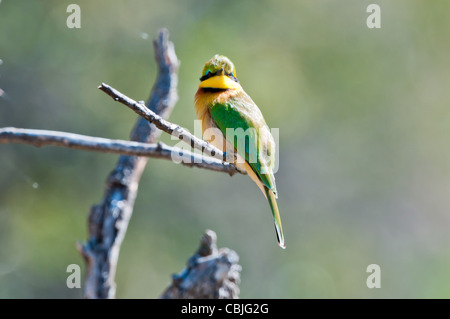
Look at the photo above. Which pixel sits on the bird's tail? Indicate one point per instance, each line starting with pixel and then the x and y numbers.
pixel 276 216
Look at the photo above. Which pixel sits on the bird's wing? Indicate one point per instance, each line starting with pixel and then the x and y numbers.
pixel 251 139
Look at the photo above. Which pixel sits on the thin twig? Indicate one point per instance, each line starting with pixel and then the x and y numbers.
pixel 160 150
pixel 166 126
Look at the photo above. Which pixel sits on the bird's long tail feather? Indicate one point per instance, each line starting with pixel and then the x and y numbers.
pixel 276 217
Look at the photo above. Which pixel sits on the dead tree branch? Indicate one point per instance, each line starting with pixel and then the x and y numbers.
pixel 160 150
pixel 211 273
pixel 109 220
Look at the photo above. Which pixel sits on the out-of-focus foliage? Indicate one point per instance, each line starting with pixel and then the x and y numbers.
pixel 364 175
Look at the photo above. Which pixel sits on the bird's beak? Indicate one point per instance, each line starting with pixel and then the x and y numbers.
pixel 221 72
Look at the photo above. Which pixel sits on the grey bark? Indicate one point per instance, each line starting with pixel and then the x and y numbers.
pixel 108 221
pixel 210 273
pixel 159 150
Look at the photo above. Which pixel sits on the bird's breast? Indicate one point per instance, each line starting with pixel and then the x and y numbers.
pixel 205 98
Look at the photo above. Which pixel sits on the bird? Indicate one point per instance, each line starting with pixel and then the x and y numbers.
pixel 224 108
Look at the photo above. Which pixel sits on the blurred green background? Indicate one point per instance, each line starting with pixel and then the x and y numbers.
pixel 364 174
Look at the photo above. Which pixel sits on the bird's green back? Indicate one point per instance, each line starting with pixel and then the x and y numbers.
pixel 240 112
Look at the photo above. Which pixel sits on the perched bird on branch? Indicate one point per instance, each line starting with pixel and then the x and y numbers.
pixel 231 121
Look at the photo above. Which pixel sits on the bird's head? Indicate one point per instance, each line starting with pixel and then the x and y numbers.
pixel 219 73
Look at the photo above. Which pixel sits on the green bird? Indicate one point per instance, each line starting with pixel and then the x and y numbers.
pixel 225 109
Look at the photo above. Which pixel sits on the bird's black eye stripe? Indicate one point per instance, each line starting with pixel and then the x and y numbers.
pixel 209 74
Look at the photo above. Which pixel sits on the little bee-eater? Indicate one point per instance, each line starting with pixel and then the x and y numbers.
pixel 222 104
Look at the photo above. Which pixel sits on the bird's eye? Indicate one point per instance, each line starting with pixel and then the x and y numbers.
pixel 208 72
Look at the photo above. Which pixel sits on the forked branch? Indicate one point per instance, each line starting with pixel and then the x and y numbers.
pixel 166 126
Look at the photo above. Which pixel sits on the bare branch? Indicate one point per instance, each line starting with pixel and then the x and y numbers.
pixel 210 273
pixel 160 150
pixel 108 221
pixel 166 126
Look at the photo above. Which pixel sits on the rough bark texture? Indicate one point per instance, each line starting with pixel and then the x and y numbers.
pixel 211 273
pixel 160 150
pixel 108 221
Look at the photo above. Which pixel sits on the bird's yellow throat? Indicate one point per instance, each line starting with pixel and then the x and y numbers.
pixel 219 82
